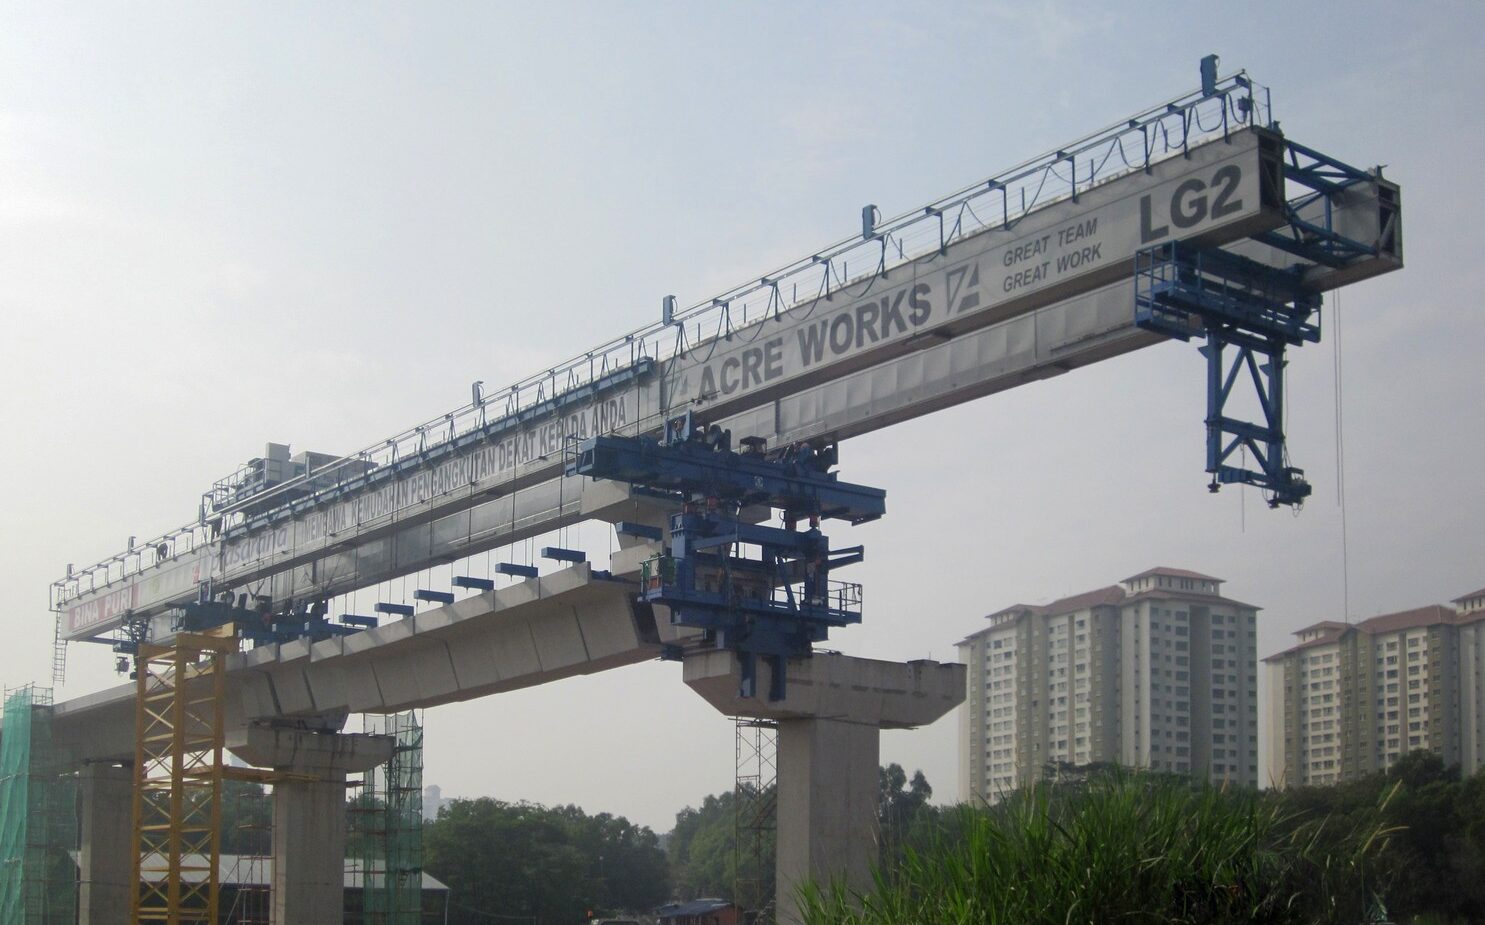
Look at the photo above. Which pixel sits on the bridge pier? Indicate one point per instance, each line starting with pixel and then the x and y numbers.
pixel 107 839
pixel 830 724
pixel 827 805
pixel 309 813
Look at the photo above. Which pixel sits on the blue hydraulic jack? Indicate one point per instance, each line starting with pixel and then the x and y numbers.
pixel 762 592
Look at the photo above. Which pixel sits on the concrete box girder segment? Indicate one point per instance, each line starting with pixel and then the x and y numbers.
pixel 829 748
pixel 567 623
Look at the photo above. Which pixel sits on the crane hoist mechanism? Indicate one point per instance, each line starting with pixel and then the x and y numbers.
pixel 762 592
pixel 1198 219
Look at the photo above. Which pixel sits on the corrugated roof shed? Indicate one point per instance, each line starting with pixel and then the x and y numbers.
pixel 252 870
pixel 692 907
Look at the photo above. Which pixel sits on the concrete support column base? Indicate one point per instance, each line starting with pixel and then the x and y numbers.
pixel 105 890
pixel 309 813
pixel 827 807
pixel 830 723
pixel 309 850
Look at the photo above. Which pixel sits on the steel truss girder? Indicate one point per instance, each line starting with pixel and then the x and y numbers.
pixel 1308 238
pixel 1235 302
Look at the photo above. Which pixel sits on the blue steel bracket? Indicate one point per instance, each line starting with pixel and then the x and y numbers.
pixel 772 606
pixel 1231 301
pixel 791 479
pixel 763 592
pixel 261 626
pixel 1309 231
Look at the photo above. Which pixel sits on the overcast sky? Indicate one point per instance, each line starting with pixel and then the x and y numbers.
pixel 222 225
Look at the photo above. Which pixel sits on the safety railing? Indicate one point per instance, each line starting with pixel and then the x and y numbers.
pixel 1168 130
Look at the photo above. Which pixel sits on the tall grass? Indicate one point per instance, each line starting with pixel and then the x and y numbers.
pixel 1121 849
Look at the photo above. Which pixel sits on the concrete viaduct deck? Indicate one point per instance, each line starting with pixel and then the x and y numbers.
pixel 577 620
pixel 287 702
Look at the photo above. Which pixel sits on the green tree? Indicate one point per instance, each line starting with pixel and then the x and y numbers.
pixel 551 865
pixel 627 868
pixel 705 852
pixel 902 806
pixel 703 848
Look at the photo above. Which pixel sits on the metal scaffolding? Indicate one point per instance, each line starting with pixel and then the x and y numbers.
pixel 38 818
pixel 247 837
pixel 178 778
pixel 754 817
pixel 386 836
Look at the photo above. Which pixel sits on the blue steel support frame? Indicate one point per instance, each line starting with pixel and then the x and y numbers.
pixel 772 605
pixel 1258 310
pixel 1310 239
pixel 1265 440
pixel 1231 301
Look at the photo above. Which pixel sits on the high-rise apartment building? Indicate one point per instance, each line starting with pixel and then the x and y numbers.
pixel 1350 699
pixel 1158 671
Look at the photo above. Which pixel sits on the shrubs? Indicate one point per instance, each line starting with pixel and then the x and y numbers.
pixel 1122 848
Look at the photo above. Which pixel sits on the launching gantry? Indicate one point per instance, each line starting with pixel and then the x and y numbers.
pixel 1195 220
pixel 1198 220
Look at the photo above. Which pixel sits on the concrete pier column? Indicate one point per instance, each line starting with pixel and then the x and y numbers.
pixel 104 869
pixel 309 850
pixel 827 804
pixel 830 723
pixel 309 813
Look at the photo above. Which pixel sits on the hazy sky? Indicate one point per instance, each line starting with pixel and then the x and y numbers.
pixel 222 225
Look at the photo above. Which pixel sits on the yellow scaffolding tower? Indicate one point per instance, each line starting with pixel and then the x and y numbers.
pixel 178 777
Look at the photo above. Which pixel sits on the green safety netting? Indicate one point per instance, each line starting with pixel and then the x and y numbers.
pixel 387 827
pixel 38 821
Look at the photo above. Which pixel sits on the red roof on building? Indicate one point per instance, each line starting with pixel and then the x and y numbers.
pixel 1168 594
pixel 1111 595
pixel 1329 636
pixel 1432 615
pixel 1014 609
pixel 1323 625
pixel 1461 600
pixel 1101 597
pixel 1173 573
